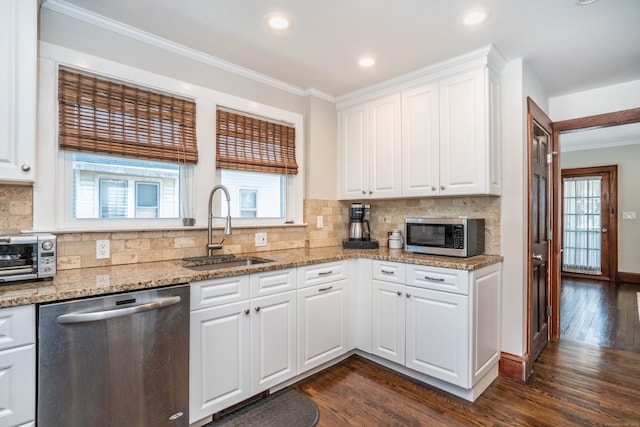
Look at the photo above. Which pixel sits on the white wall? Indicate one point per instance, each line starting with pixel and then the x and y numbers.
pixel 518 82
pixel 606 99
pixel 321 153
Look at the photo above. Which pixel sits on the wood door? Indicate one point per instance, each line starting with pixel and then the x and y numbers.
pixel 540 143
pixel 602 221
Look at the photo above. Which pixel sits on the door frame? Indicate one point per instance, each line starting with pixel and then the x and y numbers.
pixel 611 251
pixel 590 122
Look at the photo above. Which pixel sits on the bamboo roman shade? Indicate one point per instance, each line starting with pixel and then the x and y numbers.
pixel 253 144
pixel 101 116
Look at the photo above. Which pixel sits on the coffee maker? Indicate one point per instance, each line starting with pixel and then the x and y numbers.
pixel 359 228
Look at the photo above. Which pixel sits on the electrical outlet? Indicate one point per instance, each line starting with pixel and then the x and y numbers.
pixel 102 280
pixel 261 239
pixel 320 221
pixel 102 249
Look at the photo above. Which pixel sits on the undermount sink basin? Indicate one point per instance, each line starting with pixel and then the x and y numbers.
pixel 227 261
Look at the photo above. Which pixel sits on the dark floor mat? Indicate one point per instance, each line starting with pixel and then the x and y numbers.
pixel 286 407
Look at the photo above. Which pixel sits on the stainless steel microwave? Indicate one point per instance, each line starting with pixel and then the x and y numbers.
pixel 459 237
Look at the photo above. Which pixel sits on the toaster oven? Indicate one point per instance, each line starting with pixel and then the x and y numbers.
pixel 27 257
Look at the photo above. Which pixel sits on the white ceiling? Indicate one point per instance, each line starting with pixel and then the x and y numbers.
pixel 570 47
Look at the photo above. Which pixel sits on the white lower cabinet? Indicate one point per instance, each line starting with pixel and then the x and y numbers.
pixel 242 348
pixel 17 366
pixel 436 334
pixel 443 323
pixel 322 314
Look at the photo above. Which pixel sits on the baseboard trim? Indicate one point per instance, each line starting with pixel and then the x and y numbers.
pixel 514 367
pixel 628 277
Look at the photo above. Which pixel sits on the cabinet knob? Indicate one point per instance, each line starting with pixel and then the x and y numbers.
pixel 364 192
pixel 25 168
pixel 442 187
pixel 370 192
pixel 247 311
pixel 399 293
pixel 433 188
pixel 408 295
pixel 258 309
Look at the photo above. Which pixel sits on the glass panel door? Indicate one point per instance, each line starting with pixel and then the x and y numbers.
pixel 582 225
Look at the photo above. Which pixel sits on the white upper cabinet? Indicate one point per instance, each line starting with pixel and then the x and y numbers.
pixel 18 59
pixel 370 151
pixel 447 144
pixel 420 141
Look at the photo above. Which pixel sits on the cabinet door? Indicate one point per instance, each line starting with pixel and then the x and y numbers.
pixel 420 141
pixel 18 55
pixel 385 154
pixel 437 334
pixel 388 329
pixel 322 323
pixel 273 337
pixel 463 141
pixel 354 164
pixel 219 359
pixel 17 385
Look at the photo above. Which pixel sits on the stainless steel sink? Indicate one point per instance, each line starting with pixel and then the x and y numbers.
pixel 216 263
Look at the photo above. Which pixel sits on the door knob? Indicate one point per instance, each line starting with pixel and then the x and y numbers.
pixel 604 229
pixel 538 257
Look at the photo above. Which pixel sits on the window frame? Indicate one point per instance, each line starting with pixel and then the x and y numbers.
pixel 52 204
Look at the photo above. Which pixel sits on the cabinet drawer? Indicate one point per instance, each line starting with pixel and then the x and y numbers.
pixel 271 282
pixel 321 273
pixel 17 326
pixel 209 293
pixel 439 279
pixel 389 271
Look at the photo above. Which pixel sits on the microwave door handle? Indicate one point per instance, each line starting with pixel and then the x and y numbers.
pixel 94 316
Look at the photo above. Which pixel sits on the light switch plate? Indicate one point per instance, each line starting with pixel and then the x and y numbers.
pixel 320 221
pixel 628 215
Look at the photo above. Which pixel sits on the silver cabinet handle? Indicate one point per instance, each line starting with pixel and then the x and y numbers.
pixel 434 279
pixel 118 312
pixel 386 272
pixel 25 168
pixel 324 273
pixel 328 288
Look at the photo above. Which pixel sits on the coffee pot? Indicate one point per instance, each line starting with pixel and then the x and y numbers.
pixel 359 225
pixel 359 228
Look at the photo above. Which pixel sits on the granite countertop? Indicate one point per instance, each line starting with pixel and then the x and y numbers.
pixel 83 282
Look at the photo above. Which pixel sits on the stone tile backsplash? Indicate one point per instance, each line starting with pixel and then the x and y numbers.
pixel 78 250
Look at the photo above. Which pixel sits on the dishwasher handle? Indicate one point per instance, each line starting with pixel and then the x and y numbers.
pixel 94 316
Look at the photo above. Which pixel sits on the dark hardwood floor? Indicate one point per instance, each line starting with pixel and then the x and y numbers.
pixel 578 381
pixel 572 384
pixel 600 313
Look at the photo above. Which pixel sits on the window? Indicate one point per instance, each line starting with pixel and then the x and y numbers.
pixel 257 158
pixel 129 147
pixel 248 203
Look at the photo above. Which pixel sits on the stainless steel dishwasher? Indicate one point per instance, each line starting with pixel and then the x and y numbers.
pixel 119 360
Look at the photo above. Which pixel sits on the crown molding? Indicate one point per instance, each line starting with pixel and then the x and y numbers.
pixel 89 17
pixel 321 95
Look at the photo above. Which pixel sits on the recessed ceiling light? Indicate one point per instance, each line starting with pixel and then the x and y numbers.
pixel 475 16
pixel 278 21
pixel 367 61
pixel 586 1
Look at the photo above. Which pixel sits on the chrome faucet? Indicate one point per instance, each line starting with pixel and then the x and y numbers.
pixel 227 226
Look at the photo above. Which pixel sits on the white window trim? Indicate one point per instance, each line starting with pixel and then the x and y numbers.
pixel 51 200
